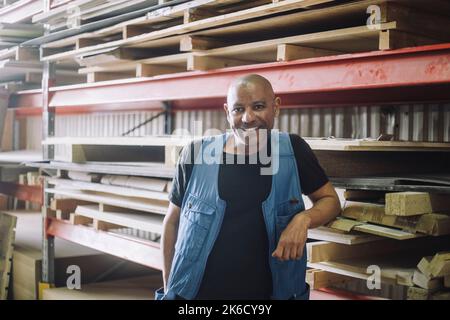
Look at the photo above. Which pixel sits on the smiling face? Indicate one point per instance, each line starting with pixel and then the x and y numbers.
pixel 251 106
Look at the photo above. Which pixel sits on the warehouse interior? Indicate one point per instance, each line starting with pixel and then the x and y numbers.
pixel 98 98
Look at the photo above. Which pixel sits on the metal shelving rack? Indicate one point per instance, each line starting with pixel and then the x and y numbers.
pixel 420 74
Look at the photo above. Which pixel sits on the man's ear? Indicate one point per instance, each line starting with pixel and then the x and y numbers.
pixel 225 108
pixel 276 106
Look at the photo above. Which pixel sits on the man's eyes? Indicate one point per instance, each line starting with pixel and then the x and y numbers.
pixel 255 107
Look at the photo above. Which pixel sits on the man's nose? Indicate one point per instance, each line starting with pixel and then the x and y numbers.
pixel 248 116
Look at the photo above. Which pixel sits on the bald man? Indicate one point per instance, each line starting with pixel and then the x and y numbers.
pixel 232 232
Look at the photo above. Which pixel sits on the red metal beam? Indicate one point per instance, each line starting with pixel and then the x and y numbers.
pixel 411 74
pixel 143 252
pixel 22 192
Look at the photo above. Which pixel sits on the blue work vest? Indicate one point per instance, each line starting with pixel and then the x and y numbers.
pixel 202 213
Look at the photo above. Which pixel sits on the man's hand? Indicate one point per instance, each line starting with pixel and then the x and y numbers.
pixel 293 239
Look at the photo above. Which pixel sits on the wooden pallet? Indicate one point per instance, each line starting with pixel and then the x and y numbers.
pixel 283 49
pixel 168 39
pixel 136 32
pixel 20 68
pixel 7 236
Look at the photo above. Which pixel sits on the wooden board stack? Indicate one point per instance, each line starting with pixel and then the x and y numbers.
pixel 411 254
pixel 95 188
pixel 198 34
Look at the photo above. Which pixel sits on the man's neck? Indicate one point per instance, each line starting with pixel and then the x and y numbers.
pixel 234 147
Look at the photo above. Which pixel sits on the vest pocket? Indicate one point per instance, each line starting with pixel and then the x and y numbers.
pixel 285 212
pixel 195 222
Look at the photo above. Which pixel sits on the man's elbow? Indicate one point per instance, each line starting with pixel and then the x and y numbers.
pixel 336 205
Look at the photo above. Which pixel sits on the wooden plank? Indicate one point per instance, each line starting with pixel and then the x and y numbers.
pixel 416 203
pixel 107 76
pixel 332 235
pixel 152 206
pixel 151 184
pixel 122 191
pixel 66 204
pixel 348 225
pixel 415 293
pixel 80 220
pixel 426 282
pixel 84 176
pixel 344 224
pixel 104 226
pixel 199 43
pixel 385 232
pixel 318 279
pixel 150 70
pixel 440 264
pixel 424 266
pixel 289 52
pixel 122 217
pixel 396 39
pixel 204 63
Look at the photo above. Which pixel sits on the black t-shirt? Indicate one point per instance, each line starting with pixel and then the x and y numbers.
pixel 238 265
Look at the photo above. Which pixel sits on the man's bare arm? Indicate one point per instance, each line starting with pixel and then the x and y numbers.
pixel 326 207
pixel 168 239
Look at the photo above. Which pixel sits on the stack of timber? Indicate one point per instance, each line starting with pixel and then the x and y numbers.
pixel 27 260
pixel 410 256
pixel 115 188
pixel 182 36
pixel 388 268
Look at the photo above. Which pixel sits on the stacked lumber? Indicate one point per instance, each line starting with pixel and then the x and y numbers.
pixel 406 266
pixel 117 185
pixel 202 35
pixel 411 252
pixel 401 215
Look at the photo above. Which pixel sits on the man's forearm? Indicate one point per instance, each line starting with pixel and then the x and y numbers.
pixel 168 240
pixel 322 212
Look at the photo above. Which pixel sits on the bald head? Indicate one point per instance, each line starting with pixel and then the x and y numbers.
pixel 250 82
